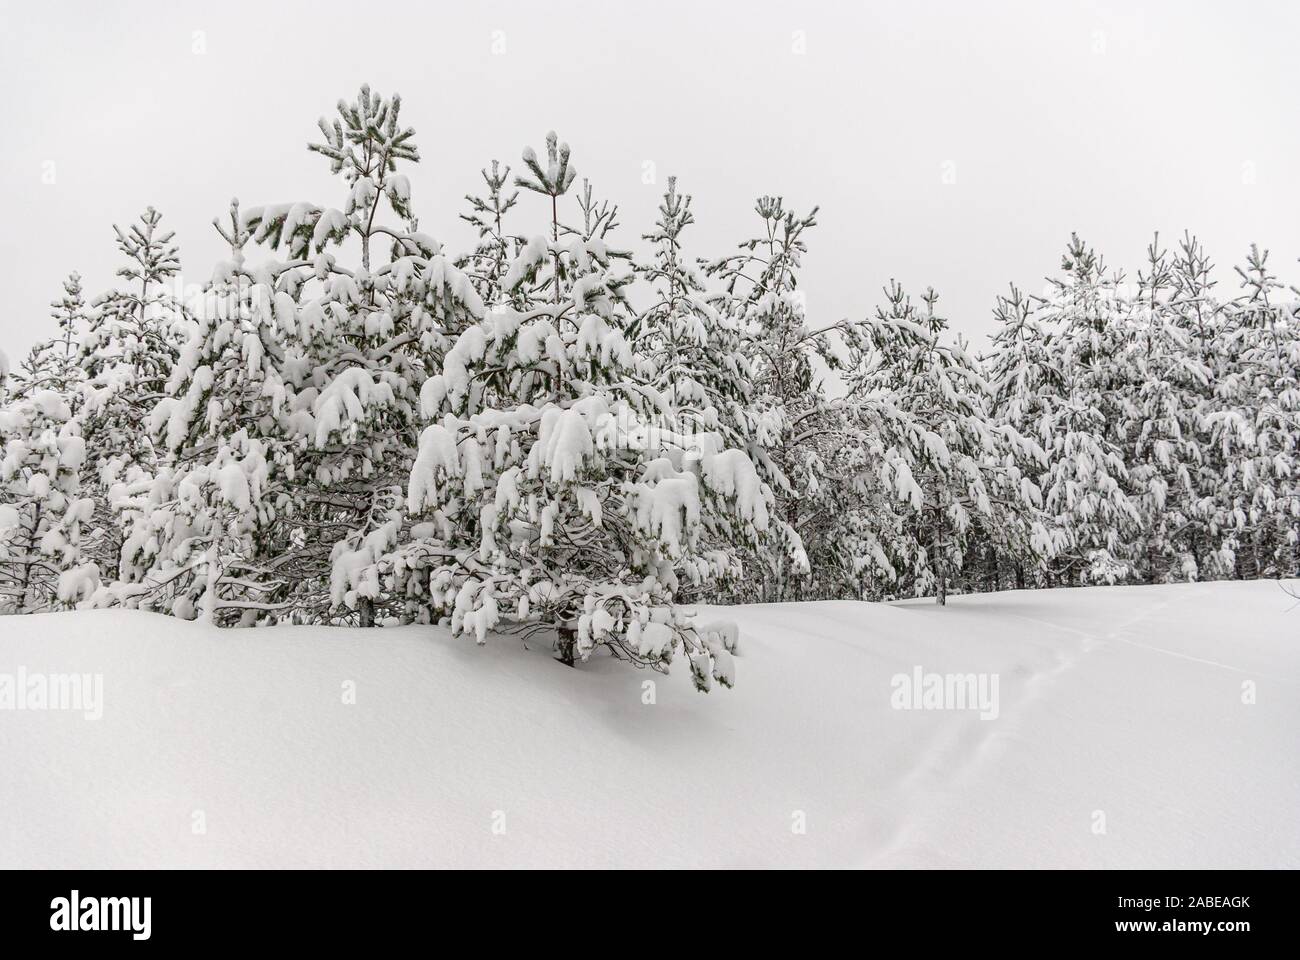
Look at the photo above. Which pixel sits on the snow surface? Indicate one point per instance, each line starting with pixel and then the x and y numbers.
pixel 1125 700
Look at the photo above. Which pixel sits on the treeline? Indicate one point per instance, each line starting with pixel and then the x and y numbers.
pixel 552 434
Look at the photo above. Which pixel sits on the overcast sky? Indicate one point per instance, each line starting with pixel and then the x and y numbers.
pixel 952 144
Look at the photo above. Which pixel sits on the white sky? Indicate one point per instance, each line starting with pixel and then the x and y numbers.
pixel 1110 119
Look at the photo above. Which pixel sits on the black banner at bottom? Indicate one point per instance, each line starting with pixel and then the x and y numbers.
pixel 1174 909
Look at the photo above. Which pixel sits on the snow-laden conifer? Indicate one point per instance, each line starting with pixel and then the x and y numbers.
pixel 41 510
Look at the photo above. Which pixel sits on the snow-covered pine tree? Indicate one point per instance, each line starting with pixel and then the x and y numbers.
pixel 1264 324
pixel 795 434
pixel 370 335
pixel 132 342
pixel 41 510
pixel 200 533
pixel 295 421
pixel 553 502
pixel 35 367
pixel 69 314
pixel 1214 529
pixel 700 364
pixel 1021 367
pixel 488 264
pixel 552 182
pixel 859 485
pixel 1026 383
pixel 696 357
pixel 52 363
pixel 60 372
pixel 1162 426
pixel 958 469
pixel 1086 484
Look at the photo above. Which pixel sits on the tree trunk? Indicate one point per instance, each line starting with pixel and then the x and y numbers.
pixel 25 602
pixel 566 637
pixel 210 595
pixel 940 563
pixel 366 611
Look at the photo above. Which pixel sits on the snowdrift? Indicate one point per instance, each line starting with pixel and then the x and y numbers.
pixel 1125 736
